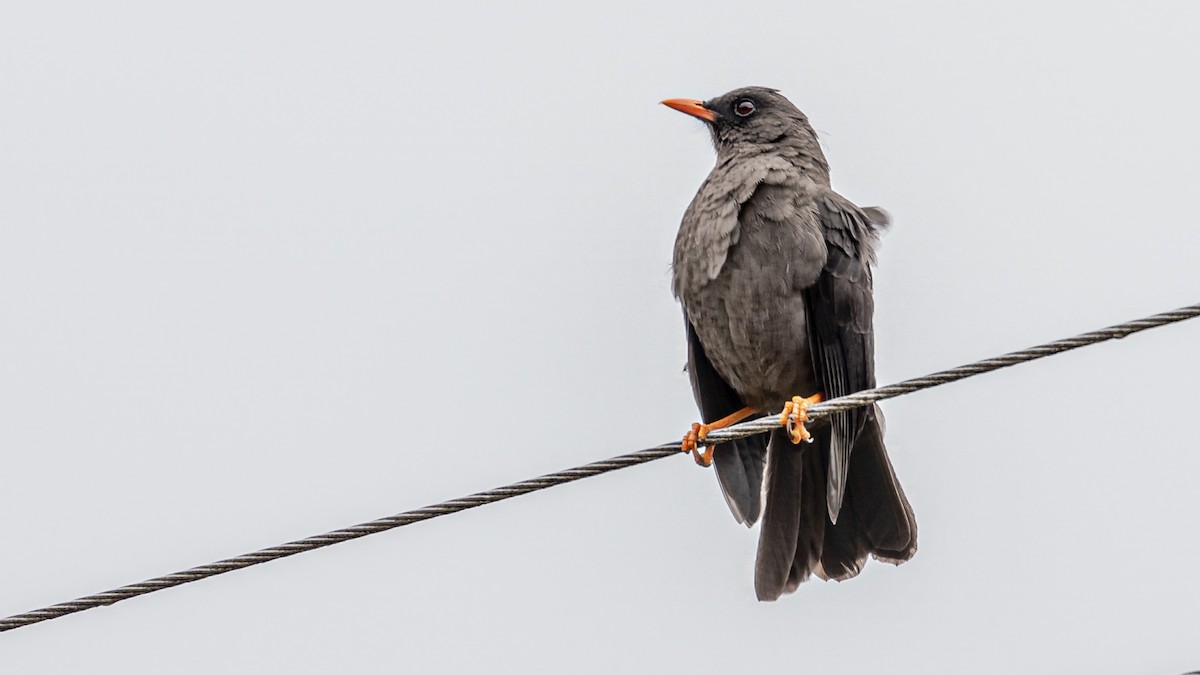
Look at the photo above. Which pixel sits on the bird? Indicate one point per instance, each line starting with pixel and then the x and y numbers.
pixel 772 269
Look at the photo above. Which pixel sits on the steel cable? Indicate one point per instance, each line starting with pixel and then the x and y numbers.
pixel 594 469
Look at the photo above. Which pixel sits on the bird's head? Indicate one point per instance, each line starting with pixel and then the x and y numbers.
pixel 750 119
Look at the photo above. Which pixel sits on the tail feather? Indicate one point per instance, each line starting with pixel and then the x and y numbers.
pixel 846 546
pixel 885 515
pixel 813 523
pixel 793 523
pixel 797 538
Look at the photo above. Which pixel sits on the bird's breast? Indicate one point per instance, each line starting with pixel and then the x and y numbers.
pixel 751 316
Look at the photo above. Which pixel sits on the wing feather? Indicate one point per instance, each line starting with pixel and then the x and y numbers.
pixel 841 331
pixel 740 463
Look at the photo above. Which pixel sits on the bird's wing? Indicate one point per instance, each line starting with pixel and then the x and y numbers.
pixel 739 463
pixel 841 333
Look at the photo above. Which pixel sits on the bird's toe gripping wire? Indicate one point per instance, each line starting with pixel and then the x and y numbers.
pixel 699 432
pixel 795 416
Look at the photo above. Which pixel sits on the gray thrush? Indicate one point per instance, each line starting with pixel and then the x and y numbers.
pixel 773 269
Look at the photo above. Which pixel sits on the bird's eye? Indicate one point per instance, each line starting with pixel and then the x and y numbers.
pixel 743 108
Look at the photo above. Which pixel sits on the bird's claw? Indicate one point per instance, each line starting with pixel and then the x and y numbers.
pixel 699 431
pixel 691 443
pixel 795 416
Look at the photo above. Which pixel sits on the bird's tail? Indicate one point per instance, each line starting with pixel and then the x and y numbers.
pixel 798 539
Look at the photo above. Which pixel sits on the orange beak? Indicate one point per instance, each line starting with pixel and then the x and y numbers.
pixel 691 107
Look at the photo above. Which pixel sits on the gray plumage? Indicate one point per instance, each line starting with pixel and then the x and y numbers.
pixel 772 268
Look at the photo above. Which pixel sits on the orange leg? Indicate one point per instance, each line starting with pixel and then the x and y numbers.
pixel 698 432
pixel 795 415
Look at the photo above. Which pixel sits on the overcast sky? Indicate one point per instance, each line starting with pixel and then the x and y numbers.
pixel 270 269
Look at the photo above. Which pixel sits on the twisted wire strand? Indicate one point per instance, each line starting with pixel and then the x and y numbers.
pixel 869 396
pixel 593 469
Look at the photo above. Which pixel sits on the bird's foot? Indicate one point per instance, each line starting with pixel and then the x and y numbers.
pixel 699 432
pixel 795 416
pixel 692 440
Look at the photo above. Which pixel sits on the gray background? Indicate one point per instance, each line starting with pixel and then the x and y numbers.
pixel 270 269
